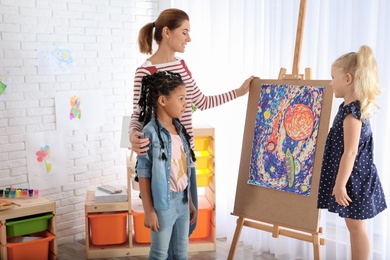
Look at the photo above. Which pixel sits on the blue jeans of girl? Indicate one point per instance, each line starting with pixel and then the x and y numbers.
pixel 174 223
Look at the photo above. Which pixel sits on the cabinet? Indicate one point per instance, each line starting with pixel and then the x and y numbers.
pixel 29 207
pixel 204 139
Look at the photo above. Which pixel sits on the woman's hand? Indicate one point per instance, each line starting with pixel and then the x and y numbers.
pixel 244 87
pixel 139 145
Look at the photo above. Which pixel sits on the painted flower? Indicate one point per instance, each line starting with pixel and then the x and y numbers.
pixel 42 156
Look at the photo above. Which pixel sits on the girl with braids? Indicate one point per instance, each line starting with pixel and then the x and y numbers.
pixel 171 31
pixel 164 172
pixel 349 183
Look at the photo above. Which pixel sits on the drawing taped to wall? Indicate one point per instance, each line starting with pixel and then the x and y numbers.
pixel 285 134
pixel 46 160
pixel 54 60
pixel 79 109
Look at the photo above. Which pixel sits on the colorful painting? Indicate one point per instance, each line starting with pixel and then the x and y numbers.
pixel 63 55
pixel 75 111
pixel 72 114
pixel 2 87
pixel 53 60
pixel 46 160
pixel 285 134
pixel 4 84
pixel 43 156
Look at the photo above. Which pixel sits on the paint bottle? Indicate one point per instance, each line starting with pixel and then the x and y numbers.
pixel 25 193
pixel 12 193
pixel 18 193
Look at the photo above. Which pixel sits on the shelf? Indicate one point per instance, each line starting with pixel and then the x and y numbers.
pixel 29 207
pixel 95 207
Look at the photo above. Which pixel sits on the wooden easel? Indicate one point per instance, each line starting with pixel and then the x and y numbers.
pixel 276 228
pixel 298 46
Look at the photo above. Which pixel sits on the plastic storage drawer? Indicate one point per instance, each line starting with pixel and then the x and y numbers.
pixel 26 225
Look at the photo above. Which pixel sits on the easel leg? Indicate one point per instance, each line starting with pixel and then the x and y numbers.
pixel 316 247
pixel 237 233
pixel 317 255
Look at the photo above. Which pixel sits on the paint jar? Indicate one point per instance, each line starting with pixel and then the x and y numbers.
pixel 12 193
pixel 18 193
pixel 1 192
pixel 6 193
pixel 36 193
pixel 30 192
pixel 25 193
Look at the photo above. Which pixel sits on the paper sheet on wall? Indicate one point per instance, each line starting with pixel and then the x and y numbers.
pixel 79 109
pixel 46 160
pixel 125 141
pixel 54 59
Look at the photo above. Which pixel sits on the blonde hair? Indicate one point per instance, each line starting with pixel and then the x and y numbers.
pixel 171 18
pixel 363 67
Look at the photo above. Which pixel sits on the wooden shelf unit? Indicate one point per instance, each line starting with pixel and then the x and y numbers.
pixel 29 207
pixel 209 191
pixel 130 247
pixel 93 251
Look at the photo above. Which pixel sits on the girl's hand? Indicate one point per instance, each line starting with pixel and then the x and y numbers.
pixel 341 196
pixel 138 144
pixel 151 221
pixel 193 213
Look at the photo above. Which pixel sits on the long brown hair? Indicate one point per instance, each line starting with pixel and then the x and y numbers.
pixel 171 18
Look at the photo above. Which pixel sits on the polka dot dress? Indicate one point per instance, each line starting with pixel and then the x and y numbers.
pixel 364 186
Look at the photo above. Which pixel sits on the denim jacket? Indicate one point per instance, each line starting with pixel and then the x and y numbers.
pixel 153 166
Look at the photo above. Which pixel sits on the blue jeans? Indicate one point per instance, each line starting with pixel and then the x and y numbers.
pixel 174 224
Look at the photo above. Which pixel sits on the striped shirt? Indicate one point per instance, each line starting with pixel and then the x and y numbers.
pixel 193 95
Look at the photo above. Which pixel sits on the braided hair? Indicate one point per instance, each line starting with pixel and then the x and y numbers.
pixel 153 86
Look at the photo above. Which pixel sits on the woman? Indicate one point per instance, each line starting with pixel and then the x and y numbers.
pixel 171 31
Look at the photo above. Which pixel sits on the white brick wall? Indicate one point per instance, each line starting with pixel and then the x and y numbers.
pixel 103 34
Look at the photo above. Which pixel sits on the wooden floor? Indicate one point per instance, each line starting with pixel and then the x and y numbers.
pixel 76 251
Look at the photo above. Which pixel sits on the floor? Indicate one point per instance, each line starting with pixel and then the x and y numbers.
pixel 76 251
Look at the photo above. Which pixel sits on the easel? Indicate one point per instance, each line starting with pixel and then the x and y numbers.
pixel 298 46
pixel 277 228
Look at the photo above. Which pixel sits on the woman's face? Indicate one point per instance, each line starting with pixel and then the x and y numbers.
pixel 179 37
